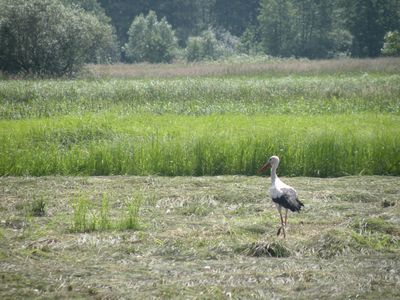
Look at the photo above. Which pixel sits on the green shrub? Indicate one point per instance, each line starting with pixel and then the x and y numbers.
pixel 150 40
pixel 46 38
pixel 391 46
pixel 203 47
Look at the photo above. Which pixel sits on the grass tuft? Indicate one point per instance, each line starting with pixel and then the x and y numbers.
pixel 269 249
pixel 81 221
pixel 38 207
pixel 387 203
pixel 104 223
pixel 87 218
pixel 130 220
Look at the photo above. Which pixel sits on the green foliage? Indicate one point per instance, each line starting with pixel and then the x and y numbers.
pixel 368 21
pixel 391 46
pixel 91 6
pixel 46 38
pixel 276 27
pixel 150 40
pixel 202 47
pixel 341 41
pixel 211 45
pixel 106 48
pixel 250 41
pixel 194 49
pixel 236 15
pixel 302 29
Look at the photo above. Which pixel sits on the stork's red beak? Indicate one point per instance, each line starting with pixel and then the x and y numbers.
pixel 264 167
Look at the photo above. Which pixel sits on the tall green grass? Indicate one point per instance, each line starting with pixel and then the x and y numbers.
pixel 202 96
pixel 106 144
pixel 87 218
pixel 333 124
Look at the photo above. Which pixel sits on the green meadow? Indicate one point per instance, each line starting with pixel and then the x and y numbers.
pixel 332 124
pixel 249 95
pixel 148 144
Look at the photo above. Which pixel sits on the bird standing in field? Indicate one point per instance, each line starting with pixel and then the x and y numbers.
pixel 282 194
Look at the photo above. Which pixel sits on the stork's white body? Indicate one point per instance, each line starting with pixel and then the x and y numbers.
pixel 277 187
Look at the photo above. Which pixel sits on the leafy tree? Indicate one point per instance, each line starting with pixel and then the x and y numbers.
pixel 150 40
pixel 106 48
pixel 122 12
pixel 211 45
pixel 90 6
pixel 276 26
pixel 391 46
pixel 314 24
pixel 302 28
pixel 236 15
pixel 187 17
pixel 341 41
pixel 45 37
pixel 194 49
pixel 250 42
pixel 368 21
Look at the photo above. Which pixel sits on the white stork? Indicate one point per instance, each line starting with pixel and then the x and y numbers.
pixel 282 194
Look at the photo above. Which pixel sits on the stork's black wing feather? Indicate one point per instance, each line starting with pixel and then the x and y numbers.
pixel 289 200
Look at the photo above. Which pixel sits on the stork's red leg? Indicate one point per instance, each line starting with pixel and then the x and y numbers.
pixel 286 217
pixel 282 224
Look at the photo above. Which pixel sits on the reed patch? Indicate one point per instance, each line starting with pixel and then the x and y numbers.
pixel 209 145
pixel 87 218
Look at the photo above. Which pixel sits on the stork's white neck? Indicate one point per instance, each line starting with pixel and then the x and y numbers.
pixel 273 174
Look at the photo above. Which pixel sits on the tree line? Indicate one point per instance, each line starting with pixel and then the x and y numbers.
pixel 299 28
pixel 59 36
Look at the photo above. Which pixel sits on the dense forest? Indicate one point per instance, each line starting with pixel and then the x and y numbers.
pixel 301 28
pixel 62 35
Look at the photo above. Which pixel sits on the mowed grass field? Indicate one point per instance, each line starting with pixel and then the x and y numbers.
pixel 198 238
pixel 138 181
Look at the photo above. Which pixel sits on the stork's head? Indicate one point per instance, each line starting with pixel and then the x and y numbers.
pixel 272 162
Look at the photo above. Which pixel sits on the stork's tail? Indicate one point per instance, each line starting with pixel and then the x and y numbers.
pixel 298 206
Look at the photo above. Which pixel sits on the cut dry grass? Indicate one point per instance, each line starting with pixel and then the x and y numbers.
pixel 269 249
pixel 248 66
pixel 202 237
